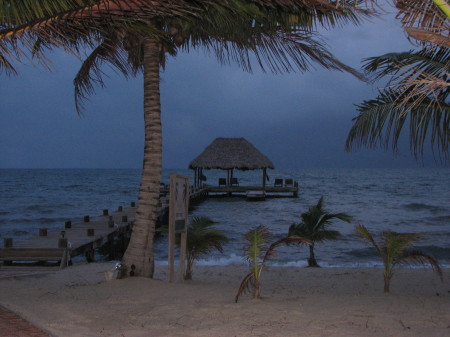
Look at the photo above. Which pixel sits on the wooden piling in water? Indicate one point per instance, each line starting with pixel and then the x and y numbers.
pixel 7 242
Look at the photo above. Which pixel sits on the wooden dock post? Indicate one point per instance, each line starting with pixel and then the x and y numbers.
pixel 111 222
pixel 90 232
pixel 86 218
pixel 124 218
pixel 7 242
pixel 42 231
pixel 62 243
pixel 132 204
pixel 105 212
pixel 120 209
pixel 68 224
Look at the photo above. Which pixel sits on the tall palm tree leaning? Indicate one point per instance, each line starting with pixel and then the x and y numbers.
pixel 136 35
pixel 396 249
pixel 314 227
pixel 417 93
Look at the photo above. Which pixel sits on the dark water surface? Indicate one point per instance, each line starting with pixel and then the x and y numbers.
pixel 406 200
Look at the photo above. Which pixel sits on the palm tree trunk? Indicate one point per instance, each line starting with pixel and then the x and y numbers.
pixel 140 249
pixel 312 258
pixel 387 280
pixel 190 264
pixel 257 288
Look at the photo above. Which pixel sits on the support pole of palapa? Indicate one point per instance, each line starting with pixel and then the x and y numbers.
pixel 264 177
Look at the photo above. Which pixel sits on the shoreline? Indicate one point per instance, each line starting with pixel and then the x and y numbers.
pixel 77 301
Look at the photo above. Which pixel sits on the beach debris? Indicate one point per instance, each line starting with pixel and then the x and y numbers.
pixel 115 273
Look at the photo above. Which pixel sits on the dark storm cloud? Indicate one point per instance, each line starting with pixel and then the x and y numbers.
pixel 298 120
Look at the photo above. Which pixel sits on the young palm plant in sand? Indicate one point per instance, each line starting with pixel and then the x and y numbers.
pixel 257 252
pixel 201 240
pixel 314 227
pixel 396 249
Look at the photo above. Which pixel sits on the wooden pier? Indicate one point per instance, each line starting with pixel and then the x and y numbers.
pixel 84 235
pixel 76 238
pixel 268 191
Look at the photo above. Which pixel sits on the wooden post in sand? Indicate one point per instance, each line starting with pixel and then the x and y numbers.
pixel 178 219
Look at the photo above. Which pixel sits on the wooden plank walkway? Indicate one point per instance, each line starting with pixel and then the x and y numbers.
pixel 76 238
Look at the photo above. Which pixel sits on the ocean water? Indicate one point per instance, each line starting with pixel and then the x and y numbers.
pixel 405 200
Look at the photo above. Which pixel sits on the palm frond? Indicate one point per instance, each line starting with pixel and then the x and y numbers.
pixel 421 14
pixel 257 239
pixel 316 220
pixel 327 235
pixel 414 256
pixel 91 72
pixel 417 89
pixel 5 64
pixel 64 23
pixel 245 285
pixel 434 61
pixel 394 244
pixel 341 216
pixel 364 233
pixel 202 238
pixel 381 121
pixel 270 252
pixel 427 37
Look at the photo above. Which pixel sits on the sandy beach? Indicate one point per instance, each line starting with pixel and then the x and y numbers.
pixel 78 301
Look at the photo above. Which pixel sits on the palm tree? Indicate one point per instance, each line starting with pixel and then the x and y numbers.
pixel 416 94
pixel 314 227
pixel 201 240
pixel 137 35
pixel 396 249
pixel 257 253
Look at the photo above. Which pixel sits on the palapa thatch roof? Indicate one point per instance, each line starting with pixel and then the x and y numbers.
pixel 231 153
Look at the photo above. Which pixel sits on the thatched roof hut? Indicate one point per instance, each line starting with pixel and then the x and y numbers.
pixel 229 154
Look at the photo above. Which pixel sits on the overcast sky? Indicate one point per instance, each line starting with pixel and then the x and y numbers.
pixel 297 120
